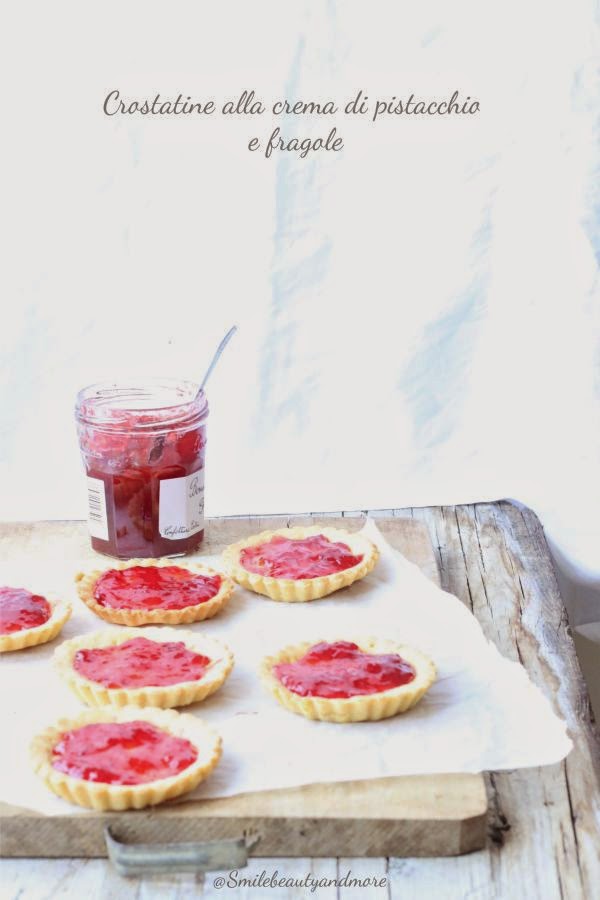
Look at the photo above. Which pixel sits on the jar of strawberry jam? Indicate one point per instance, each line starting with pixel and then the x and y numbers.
pixel 143 447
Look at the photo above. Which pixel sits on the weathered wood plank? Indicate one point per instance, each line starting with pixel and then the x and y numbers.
pixel 544 822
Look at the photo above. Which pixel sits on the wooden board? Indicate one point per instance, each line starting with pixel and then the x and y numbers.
pixel 413 816
pixel 544 823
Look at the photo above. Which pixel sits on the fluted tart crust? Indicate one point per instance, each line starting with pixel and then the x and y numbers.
pixel 365 707
pixel 86 586
pixel 292 590
pixel 105 796
pixel 182 693
pixel 39 634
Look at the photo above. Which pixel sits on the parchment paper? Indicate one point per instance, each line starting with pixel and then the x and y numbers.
pixel 483 713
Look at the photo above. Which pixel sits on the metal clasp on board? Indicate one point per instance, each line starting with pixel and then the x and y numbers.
pixel 195 856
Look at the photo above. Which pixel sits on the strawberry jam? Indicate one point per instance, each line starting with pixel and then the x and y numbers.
pixel 341 669
pixel 143 448
pixel 122 753
pixel 154 587
pixel 296 559
pixel 140 663
pixel 20 609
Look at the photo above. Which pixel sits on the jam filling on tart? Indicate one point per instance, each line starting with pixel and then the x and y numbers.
pixel 154 587
pixel 341 669
pixel 20 609
pixel 122 753
pixel 308 557
pixel 140 662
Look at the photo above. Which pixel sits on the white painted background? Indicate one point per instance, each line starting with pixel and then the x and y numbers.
pixel 419 313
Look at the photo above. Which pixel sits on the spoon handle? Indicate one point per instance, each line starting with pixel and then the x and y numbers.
pixel 216 357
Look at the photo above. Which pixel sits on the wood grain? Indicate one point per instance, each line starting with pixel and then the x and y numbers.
pixel 429 815
pixel 544 823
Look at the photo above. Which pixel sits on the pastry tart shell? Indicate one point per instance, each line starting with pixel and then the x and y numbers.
pixel 101 796
pixel 86 584
pixel 292 590
pixel 40 634
pixel 163 696
pixel 363 708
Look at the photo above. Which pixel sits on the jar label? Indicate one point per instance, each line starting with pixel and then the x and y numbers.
pixel 181 506
pixel 97 518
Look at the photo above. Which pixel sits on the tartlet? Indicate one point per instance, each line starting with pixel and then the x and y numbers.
pixel 91 584
pixel 361 707
pixel 211 666
pixel 52 614
pixel 325 560
pixel 197 745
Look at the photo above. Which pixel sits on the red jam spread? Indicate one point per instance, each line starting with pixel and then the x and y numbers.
pixel 154 587
pixel 122 753
pixel 341 669
pixel 140 663
pixel 20 609
pixel 308 557
pixel 144 454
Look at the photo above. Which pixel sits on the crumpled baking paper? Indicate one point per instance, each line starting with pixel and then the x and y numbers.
pixel 482 713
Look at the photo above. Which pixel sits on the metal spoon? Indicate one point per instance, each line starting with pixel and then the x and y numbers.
pixel 216 359
pixel 157 448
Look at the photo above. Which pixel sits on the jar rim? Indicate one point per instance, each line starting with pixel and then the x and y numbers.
pixel 141 404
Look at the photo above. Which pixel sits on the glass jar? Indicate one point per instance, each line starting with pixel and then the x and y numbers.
pixel 143 447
